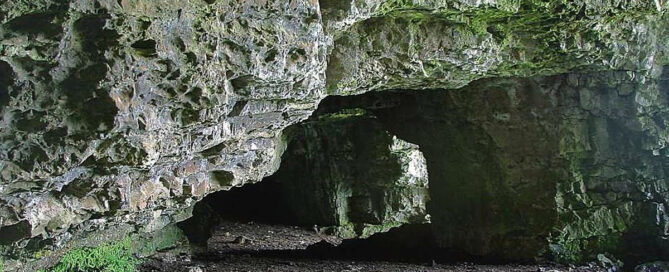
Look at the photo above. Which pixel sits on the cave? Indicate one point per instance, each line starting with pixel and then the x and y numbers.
pixel 473 174
pixel 334 135
pixel 367 167
pixel 344 178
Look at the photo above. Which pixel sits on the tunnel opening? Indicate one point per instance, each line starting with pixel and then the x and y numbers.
pixel 512 165
pixel 344 179
pixel 342 173
pixel 479 206
pixel 355 177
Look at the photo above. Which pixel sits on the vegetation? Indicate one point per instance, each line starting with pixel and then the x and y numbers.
pixel 547 34
pixel 110 257
pixel 395 5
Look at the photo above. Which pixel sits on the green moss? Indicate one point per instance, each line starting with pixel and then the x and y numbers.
pixel 16 8
pixel 578 251
pixel 539 34
pixel 119 255
pixel 167 237
pixel 111 257
pixel 395 5
pixel 40 254
pixel 2 265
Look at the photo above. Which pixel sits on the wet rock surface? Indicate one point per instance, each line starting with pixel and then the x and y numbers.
pixel 118 116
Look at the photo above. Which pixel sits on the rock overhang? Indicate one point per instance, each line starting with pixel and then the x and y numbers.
pixel 163 124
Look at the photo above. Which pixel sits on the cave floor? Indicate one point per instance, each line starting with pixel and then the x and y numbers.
pixel 250 246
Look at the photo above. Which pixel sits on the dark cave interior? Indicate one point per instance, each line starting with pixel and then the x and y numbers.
pixel 491 153
pixel 344 145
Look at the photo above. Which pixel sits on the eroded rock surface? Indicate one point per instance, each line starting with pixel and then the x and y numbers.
pixel 117 116
pixel 565 167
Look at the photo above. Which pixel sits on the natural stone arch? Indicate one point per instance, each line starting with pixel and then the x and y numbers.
pixel 341 173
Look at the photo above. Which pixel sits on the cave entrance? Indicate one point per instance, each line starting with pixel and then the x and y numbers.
pixel 359 168
pixel 343 173
pixel 342 176
pixel 490 158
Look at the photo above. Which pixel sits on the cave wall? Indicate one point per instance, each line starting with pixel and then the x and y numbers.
pixel 117 116
pixel 560 167
pixel 344 173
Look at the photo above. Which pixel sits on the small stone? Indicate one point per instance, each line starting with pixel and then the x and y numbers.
pixel 240 240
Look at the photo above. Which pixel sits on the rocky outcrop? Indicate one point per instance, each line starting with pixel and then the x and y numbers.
pixel 117 116
pixel 121 114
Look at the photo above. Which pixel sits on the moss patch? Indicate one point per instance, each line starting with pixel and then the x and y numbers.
pixel 168 237
pixel 395 5
pixel 112 257
pixel 121 255
pixel 578 251
pixel 544 36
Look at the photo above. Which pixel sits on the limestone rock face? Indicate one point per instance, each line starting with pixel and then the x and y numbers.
pixel 117 116
pixel 120 114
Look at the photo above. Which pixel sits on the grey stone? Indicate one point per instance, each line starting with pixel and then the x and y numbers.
pixel 121 115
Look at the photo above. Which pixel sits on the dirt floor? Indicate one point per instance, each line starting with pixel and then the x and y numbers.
pixel 252 246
